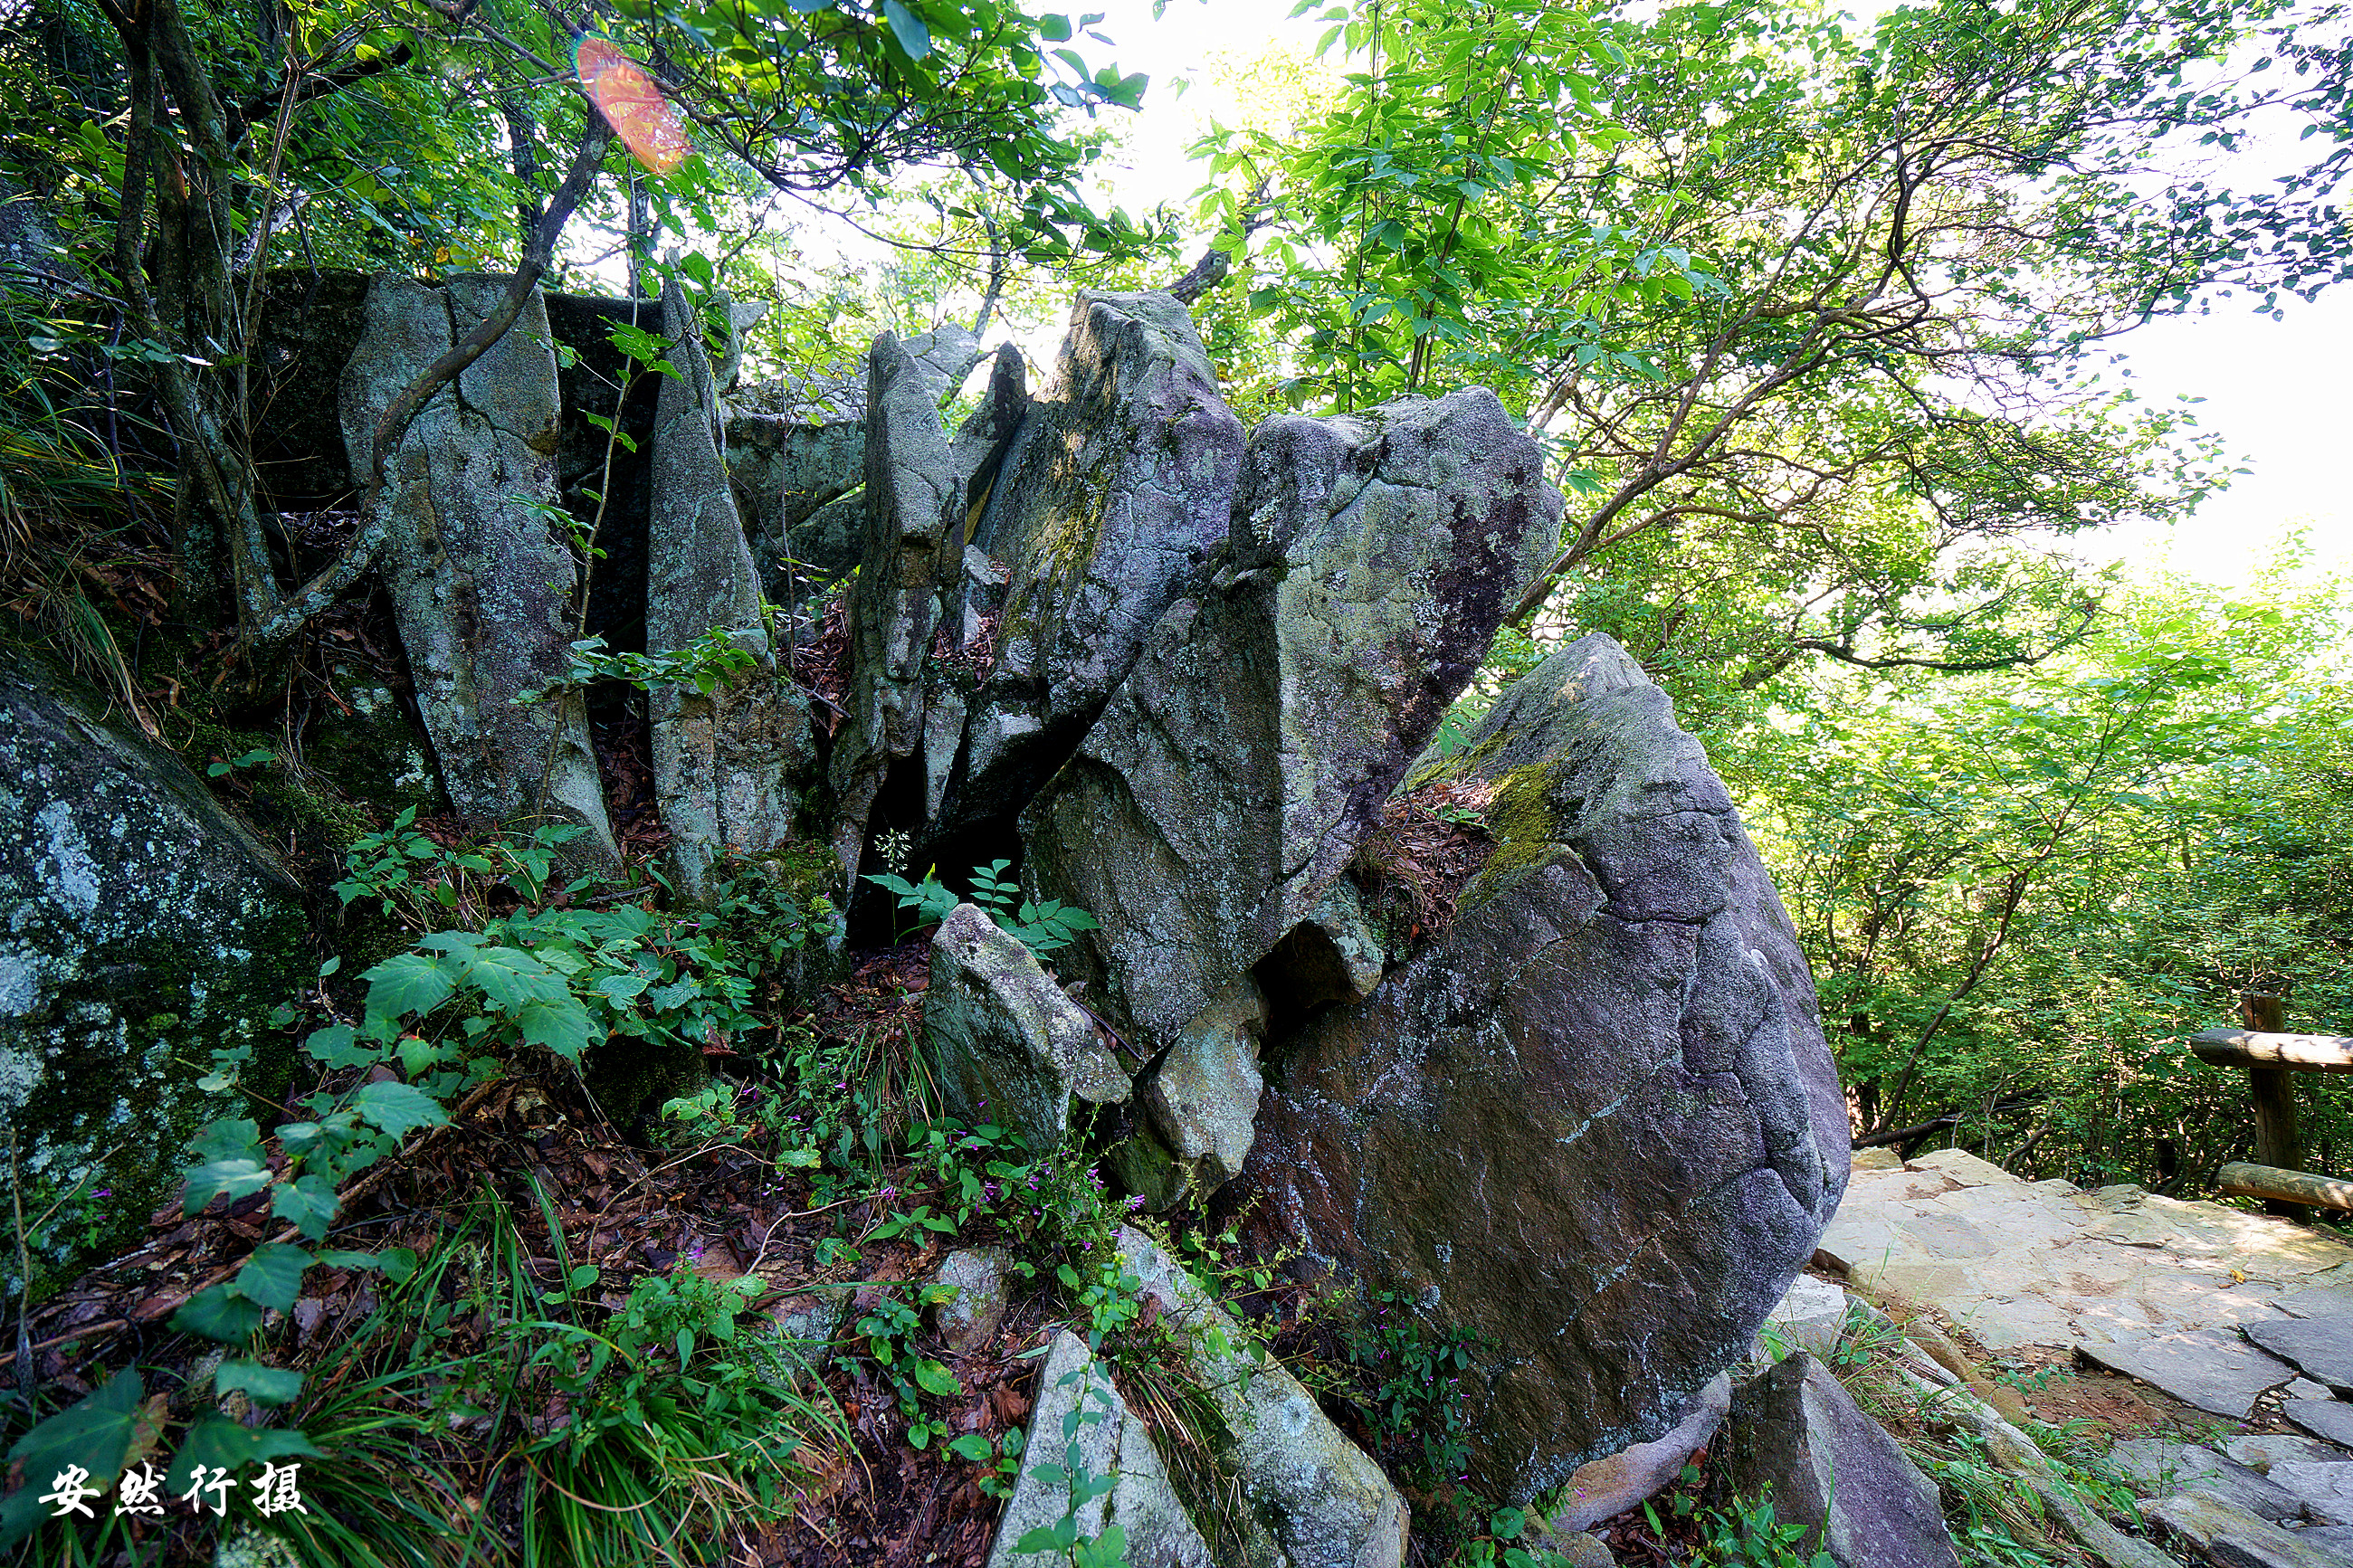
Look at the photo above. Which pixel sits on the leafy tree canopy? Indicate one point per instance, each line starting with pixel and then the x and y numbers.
pixel 1812 317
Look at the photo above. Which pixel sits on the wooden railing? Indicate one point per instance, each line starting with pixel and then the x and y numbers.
pixel 2269 1054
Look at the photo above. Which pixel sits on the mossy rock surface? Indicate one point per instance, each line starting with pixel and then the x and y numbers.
pixel 1594 1123
pixel 141 927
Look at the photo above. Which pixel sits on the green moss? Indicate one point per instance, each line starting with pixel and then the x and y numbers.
pixel 1526 833
pixel 148 929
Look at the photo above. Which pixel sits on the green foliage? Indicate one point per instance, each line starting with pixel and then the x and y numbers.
pixel 258 757
pixel 1746 1534
pixel 427 885
pixel 2022 893
pixel 1501 1545
pixel 708 663
pixel 1093 1406
pixel 1041 928
pixel 96 1433
pixel 1106 1297
pixel 1810 328
pixel 890 1328
pixel 1415 1384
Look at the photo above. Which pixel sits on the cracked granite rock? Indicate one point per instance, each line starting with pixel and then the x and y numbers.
pixel 733 766
pixel 1368 560
pixel 1108 499
pixel 1595 1122
pixel 480 583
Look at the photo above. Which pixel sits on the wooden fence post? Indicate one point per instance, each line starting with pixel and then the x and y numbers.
pixel 2276 1140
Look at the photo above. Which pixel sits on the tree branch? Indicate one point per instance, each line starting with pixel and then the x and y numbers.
pixel 360 554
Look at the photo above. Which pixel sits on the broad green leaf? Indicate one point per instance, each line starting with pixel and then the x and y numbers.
pixel 228 1140
pixel 95 1431
pixel 562 1026
pixel 397 1108
pixel 274 1275
pixel 237 1178
pixel 217 1312
pixel 907 29
pixel 262 1385
pixel 337 1046
pixel 308 1203
pixel 409 983
pixel 511 978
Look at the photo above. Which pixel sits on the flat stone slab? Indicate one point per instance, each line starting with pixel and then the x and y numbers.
pixel 2259 1451
pixel 2215 1370
pixel 2165 1469
pixel 2047 1264
pixel 2324 1490
pixel 2232 1535
pixel 2329 1418
pixel 1964 1168
pixel 2322 1348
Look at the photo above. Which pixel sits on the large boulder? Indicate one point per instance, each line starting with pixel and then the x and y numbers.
pixel 1106 507
pixel 141 927
pixel 1229 780
pixel 481 582
pixel 1834 1469
pixel 1595 1120
pixel 731 765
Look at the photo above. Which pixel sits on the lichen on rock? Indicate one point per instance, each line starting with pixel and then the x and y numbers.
pixel 480 583
pixel 141 927
pixel 1594 1123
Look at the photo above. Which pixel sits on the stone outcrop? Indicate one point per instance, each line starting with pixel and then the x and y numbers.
pixel 789 475
pixel 1271 714
pixel 1595 1122
pixel 894 604
pixel 481 581
pixel 2223 1534
pixel 1008 1046
pixel 1106 507
pixel 968 1318
pixel 141 927
pixel 1081 1425
pixel 731 764
pixel 1834 1469
pixel 1310 1498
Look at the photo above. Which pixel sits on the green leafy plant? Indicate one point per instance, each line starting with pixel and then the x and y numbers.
pixel 1414 1375
pixel 428 885
pixel 1000 1458
pixel 259 757
pixel 1107 1296
pixel 1500 1545
pixel 1041 928
pixel 890 1327
pixel 708 663
pixel 1746 1534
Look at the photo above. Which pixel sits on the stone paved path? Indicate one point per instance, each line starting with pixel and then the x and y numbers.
pixel 2149 1285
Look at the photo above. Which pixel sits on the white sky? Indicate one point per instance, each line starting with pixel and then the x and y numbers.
pixel 2277 392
